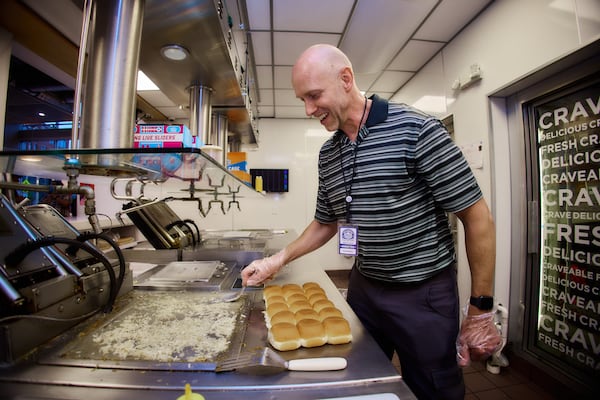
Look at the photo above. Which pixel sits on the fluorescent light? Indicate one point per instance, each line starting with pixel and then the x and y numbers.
pixel 145 83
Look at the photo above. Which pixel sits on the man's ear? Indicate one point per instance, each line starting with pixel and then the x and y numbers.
pixel 347 78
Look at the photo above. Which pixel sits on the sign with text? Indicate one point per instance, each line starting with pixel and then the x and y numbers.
pixel 568 150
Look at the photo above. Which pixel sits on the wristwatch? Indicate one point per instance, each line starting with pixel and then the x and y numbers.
pixel 484 303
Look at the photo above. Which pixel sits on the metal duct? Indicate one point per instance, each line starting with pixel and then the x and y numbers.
pixel 218 137
pixel 234 144
pixel 200 110
pixel 108 116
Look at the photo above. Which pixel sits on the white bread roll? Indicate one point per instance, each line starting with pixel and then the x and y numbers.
pixel 337 330
pixel 300 305
pixel 295 297
pixel 308 285
pixel 306 314
pixel 274 299
pixel 283 316
pixel 292 287
pixel 317 297
pixel 272 290
pixel 284 336
pixel 321 304
pixel 275 308
pixel 312 333
pixel 329 312
pixel 287 293
pixel 312 290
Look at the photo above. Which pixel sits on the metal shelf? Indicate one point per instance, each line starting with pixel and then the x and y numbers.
pixel 200 173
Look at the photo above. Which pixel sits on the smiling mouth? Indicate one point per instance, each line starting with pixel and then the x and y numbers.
pixel 322 116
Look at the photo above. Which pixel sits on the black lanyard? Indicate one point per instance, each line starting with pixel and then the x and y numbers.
pixel 348 188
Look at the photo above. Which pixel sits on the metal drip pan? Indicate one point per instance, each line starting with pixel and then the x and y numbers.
pixel 187 271
pixel 196 275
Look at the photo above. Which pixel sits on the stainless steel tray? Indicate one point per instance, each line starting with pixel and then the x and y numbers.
pixel 160 330
pixel 186 271
pixel 188 275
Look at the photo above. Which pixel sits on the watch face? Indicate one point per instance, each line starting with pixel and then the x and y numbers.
pixel 483 302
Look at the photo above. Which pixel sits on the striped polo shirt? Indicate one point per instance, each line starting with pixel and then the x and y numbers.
pixel 403 173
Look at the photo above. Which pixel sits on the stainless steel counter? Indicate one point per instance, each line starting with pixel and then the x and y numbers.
pixel 368 372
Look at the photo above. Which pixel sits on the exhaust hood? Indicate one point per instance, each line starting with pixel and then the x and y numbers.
pixel 220 57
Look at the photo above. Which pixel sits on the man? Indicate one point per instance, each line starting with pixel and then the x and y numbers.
pixel 387 178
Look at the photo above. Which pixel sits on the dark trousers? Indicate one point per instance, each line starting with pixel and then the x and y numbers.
pixel 419 321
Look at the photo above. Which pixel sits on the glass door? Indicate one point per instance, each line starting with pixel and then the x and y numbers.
pixel 562 277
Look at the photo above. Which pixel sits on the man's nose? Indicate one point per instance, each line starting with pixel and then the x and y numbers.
pixel 310 108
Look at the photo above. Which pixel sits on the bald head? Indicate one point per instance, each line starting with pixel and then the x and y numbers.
pixel 322 59
pixel 324 56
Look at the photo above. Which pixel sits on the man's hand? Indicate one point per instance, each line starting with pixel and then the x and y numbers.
pixel 478 338
pixel 259 271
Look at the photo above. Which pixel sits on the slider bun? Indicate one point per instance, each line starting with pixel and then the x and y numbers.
pixel 274 299
pixel 337 330
pixel 275 308
pixel 292 292
pixel 312 290
pixel 306 314
pixel 271 290
pixel 284 336
pixel 329 312
pixel 312 333
pixel 292 287
pixel 283 316
pixel 300 305
pixel 296 297
pixel 316 297
pixel 308 285
pixel 321 304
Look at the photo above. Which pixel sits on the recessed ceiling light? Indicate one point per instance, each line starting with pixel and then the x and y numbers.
pixel 174 52
pixel 41 114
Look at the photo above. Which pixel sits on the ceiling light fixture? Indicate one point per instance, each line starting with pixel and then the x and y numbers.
pixel 174 52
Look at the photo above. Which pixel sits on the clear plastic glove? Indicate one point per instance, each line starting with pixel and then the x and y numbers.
pixel 478 339
pixel 259 271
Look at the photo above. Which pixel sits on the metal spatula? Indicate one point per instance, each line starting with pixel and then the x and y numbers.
pixel 267 361
pixel 231 297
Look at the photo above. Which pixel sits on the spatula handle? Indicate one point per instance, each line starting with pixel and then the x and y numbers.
pixel 317 364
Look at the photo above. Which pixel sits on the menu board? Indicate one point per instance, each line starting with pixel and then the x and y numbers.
pixel 568 150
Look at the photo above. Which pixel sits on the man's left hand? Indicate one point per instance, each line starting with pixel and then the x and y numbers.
pixel 478 339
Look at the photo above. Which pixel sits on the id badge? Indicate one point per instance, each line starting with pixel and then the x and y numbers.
pixel 348 239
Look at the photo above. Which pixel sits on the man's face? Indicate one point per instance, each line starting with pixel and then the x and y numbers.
pixel 322 95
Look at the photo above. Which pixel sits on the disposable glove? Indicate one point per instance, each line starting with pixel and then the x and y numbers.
pixel 259 271
pixel 478 339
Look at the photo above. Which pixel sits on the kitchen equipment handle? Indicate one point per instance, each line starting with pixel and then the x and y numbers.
pixel 317 364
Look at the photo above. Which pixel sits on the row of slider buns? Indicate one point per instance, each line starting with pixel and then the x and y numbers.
pixel 302 316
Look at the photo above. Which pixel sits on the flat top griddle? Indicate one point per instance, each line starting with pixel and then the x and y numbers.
pixel 158 330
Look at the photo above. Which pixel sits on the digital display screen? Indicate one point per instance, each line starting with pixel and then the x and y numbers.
pixel 274 180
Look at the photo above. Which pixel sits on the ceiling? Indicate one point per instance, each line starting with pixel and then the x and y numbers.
pixel 388 41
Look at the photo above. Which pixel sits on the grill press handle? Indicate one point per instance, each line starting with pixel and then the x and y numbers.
pixel 317 364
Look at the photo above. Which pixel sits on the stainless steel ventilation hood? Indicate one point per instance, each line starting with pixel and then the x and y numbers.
pixel 213 31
